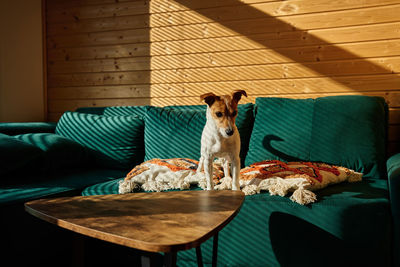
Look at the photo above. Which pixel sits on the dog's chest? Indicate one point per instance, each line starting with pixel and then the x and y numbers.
pixel 220 147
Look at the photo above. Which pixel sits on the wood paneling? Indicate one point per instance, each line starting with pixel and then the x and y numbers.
pixel 165 52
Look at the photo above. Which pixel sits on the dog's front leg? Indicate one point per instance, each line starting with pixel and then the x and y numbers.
pixel 227 172
pixel 235 168
pixel 208 172
pixel 200 166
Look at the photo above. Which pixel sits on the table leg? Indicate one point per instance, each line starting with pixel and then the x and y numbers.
pixel 170 259
pixel 214 256
pixel 215 250
pixel 146 261
pixel 78 258
pixel 199 257
pixel 150 259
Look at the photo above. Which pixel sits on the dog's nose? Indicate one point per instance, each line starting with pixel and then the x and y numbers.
pixel 229 132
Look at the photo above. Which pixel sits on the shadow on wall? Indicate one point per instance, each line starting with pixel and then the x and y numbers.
pixel 293 37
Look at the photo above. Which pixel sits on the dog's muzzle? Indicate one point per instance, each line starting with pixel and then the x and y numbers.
pixel 229 132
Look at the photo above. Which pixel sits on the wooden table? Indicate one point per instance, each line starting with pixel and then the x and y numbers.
pixel 154 222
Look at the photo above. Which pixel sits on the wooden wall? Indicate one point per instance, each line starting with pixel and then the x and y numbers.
pixel 163 52
pixel 21 65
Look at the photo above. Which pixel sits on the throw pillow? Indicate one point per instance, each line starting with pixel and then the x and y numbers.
pixel 301 178
pixel 114 141
pixel 165 174
pixel 341 130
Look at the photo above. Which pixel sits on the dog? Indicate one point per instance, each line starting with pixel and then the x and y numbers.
pixel 220 137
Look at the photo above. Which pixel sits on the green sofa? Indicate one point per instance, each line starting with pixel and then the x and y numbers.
pixel 90 150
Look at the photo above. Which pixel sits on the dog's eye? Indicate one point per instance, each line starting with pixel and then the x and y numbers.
pixel 218 114
pixel 234 113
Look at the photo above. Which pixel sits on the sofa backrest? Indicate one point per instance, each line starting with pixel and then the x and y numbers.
pixel 172 131
pixel 113 141
pixel 115 111
pixel 349 131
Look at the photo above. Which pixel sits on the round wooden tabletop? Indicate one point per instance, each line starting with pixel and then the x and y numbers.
pixel 155 222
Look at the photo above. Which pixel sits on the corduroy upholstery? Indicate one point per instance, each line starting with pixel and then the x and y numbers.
pixel 117 139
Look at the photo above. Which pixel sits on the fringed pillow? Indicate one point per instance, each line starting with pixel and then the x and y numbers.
pixel 164 174
pixel 301 178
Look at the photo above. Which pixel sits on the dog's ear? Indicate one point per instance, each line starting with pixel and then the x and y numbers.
pixel 209 98
pixel 237 95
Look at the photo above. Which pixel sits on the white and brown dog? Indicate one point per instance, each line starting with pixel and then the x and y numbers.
pixel 220 137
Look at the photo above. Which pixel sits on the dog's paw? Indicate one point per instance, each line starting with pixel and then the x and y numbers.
pixel 235 186
pixel 210 186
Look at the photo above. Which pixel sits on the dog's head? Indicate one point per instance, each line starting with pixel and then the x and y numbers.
pixel 224 110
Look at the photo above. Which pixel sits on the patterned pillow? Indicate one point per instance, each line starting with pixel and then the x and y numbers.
pixel 165 174
pixel 301 178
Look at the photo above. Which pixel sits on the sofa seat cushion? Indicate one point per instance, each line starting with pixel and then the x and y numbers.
pixel 175 131
pixel 349 223
pixel 58 183
pixel 347 131
pixel 106 188
pixel 18 155
pixel 59 152
pixel 115 141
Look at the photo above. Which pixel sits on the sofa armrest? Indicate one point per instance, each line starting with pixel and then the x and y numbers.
pixel 393 168
pixel 14 128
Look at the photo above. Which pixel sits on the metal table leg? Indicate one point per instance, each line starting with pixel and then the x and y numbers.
pixel 170 259
pixel 215 250
pixel 214 255
pixel 199 257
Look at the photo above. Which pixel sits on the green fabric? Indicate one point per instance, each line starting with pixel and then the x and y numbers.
pixel 14 128
pixel 175 131
pixel 115 111
pixel 91 110
pixel 116 141
pixel 393 167
pixel 342 130
pixel 61 182
pixel 351 131
pixel 170 133
pixel 350 224
pixel 60 152
pixel 17 156
pixel 139 111
pixel 190 107
pixel 106 188
pixel 282 130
